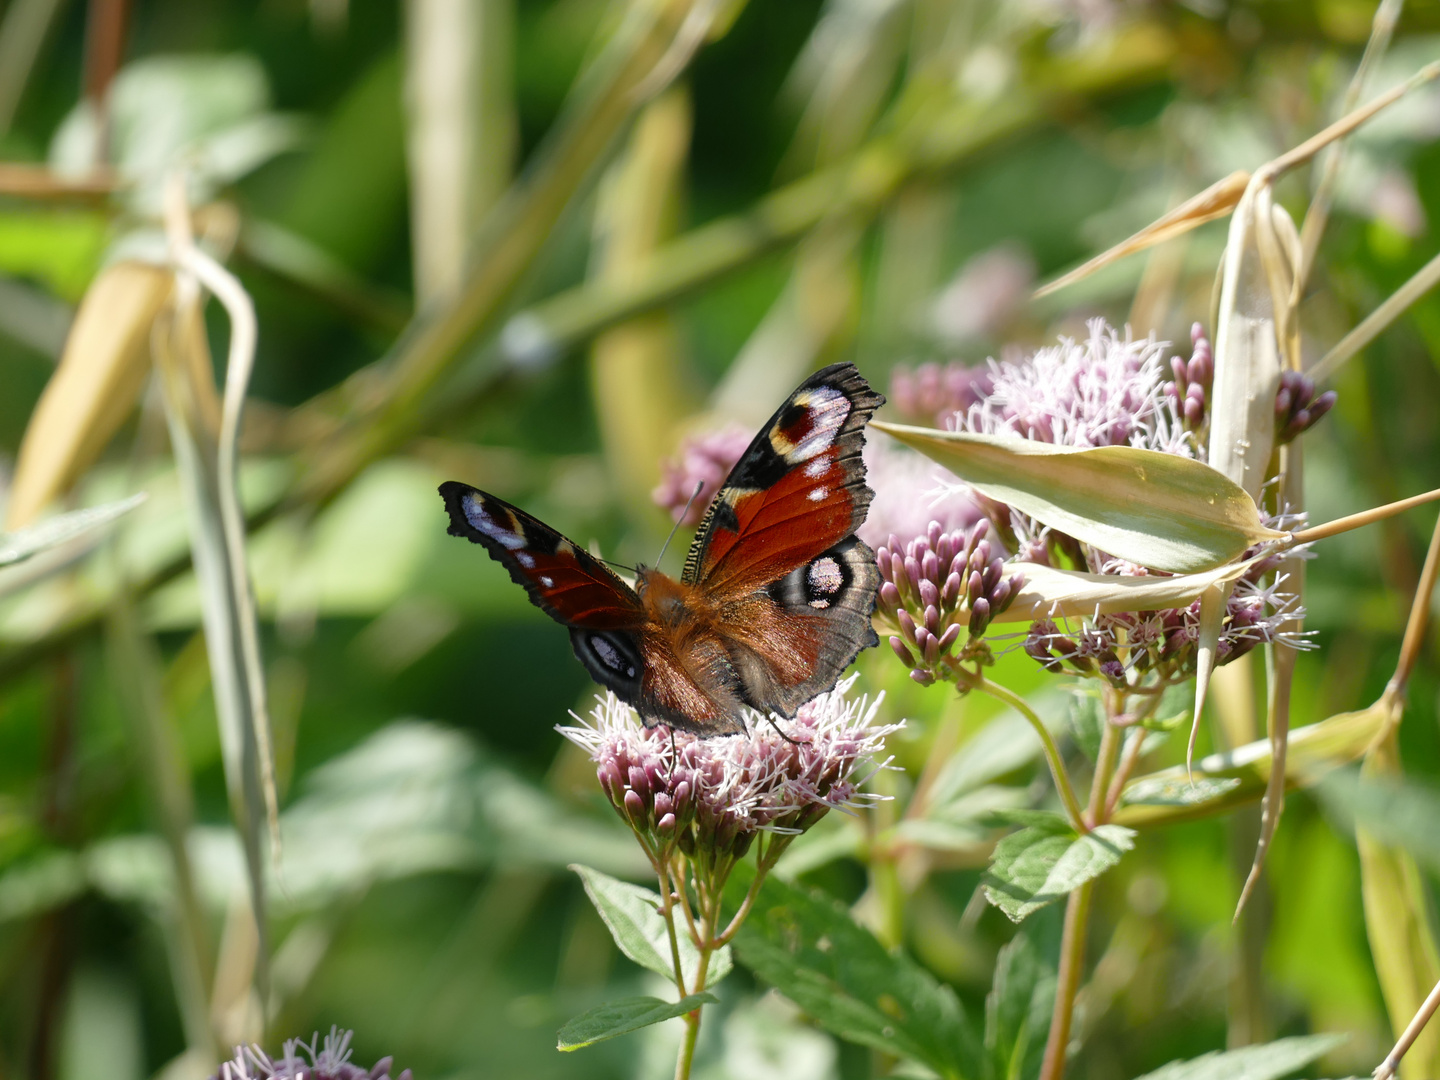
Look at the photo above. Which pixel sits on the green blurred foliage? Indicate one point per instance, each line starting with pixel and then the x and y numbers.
pixel 467 964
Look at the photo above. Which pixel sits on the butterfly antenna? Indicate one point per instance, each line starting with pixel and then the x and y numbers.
pixel 684 514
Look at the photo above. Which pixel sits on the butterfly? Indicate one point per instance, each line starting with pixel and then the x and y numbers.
pixel 777 591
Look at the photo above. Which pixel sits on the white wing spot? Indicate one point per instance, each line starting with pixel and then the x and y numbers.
pixel 492 528
pixel 828 409
pixel 824 576
pixel 817 468
pixel 547 581
pixel 525 560
pixel 820 494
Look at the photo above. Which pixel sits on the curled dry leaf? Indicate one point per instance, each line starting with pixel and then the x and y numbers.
pixel 95 385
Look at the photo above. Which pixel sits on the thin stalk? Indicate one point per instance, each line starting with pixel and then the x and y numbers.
pixel 1072 961
pixel 1425 279
pixel 667 900
pixel 1052 752
pixel 1128 761
pixel 1105 760
pixel 1419 617
pixel 1387 1067
pixel 686 1057
pixel 1365 517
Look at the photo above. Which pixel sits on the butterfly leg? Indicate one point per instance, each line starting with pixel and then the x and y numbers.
pixel 778 731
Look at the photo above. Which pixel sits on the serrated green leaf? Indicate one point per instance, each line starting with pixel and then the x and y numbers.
pixel 1159 510
pixel 1042 863
pixel 1167 791
pixel 631 912
pixel 18 546
pixel 1269 1061
pixel 623 1017
pixel 807 946
pixel 1018 1009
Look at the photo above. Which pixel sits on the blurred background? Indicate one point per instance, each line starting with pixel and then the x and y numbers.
pixel 532 245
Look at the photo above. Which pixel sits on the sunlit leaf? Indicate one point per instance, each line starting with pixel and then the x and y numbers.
pixel 1270 1061
pixel 807 946
pixel 1051 593
pixel 632 914
pixel 1159 510
pixel 1047 860
pixel 623 1017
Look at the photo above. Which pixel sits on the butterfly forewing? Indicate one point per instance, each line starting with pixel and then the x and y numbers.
pixel 777 545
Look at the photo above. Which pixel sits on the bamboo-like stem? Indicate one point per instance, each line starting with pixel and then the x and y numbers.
pixel 1364 517
pixel 1425 279
pixel 1415 626
pixel 1386 1069
pixel 1052 752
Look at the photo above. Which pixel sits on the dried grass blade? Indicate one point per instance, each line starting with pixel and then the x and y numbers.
pixel 1219 199
pixel 1425 279
pixel 94 388
pixel 208 473
pixel 1247 366
pixel 1159 510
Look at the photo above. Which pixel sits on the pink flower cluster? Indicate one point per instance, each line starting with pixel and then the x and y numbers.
pixel 716 795
pixel 702 461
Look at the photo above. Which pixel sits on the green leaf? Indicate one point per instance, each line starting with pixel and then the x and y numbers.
pixel 1051 593
pixel 18 546
pixel 632 913
pixel 623 1017
pixel 1171 791
pixel 1269 1061
pixel 1017 1010
pixel 1159 510
pixel 808 947
pixel 1046 861
pixel 1087 721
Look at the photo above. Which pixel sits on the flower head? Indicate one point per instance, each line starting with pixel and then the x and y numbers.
pixel 1104 391
pixel 716 794
pixel 330 1061
pixel 935 587
pixel 702 461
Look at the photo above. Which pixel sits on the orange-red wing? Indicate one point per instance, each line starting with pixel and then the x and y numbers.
pixel 798 490
pixel 563 580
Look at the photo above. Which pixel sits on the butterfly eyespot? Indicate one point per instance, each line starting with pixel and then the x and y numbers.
pixel 480 518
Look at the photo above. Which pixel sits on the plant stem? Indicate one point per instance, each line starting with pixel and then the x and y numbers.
pixel 709 914
pixel 667 899
pixel 1052 752
pixel 1072 960
pixel 1077 908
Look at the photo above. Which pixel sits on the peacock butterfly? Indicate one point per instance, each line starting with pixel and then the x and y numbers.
pixel 777 591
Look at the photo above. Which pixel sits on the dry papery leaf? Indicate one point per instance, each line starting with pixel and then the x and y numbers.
pixel 94 388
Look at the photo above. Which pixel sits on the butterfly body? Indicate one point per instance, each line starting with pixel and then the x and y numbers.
pixel 776 595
